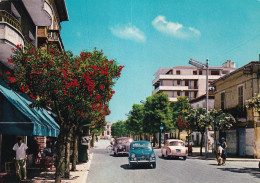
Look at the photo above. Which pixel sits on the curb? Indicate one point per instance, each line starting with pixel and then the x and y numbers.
pixel 228 159
pixel 85 176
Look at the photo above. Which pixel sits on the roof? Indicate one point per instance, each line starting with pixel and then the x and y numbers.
pixel 200 98
pixel 18 118
pixel 250 64
pixel 62 10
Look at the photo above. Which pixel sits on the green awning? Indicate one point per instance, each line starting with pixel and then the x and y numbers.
pixel 18 118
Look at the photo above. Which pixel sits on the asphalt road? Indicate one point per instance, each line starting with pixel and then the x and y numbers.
pixel 105 168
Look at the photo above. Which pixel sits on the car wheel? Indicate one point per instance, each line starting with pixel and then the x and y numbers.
pixel 259 165
pixel 166 155
pixel 130 165
pixel 154 165
pixel 115 154
pixel 184 157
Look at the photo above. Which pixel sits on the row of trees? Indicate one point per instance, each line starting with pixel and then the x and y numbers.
pixel 157 111
pixel 76 88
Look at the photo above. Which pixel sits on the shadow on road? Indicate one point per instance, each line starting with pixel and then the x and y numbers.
pixel 163 158
pixel 252 171
pixel 136 167
pixel 119 155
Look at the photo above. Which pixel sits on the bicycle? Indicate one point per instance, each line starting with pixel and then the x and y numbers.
pixel 109 149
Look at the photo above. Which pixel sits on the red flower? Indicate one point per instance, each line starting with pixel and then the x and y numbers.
pixel 69 107
pixel 10 61
pixel 8 73
pixel 101 87
pixel 51 63
pixel 12 79
pixel 111 62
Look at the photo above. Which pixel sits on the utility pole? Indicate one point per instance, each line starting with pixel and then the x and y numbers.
pixel 203 66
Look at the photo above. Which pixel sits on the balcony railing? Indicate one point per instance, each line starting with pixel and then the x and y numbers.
pixel 8 18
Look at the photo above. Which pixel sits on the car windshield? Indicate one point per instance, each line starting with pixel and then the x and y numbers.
pixel 122 141
pixel 176 143
pixel 141 145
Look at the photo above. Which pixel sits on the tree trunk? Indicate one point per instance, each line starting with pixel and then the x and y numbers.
pixel 75 149
pixel 215 141
pixel 154 139
pixel 67 156
pixel 60 156
pixel 201 142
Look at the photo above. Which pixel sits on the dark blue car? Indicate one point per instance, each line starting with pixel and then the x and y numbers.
pixel 141 152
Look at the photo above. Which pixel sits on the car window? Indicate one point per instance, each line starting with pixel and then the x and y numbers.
pixel 141 145
pixel 123 141
pixel 176 143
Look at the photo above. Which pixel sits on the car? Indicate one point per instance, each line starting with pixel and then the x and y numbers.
pixel 174 148
pixel 141 153
pixel 190 142
pixel 122 145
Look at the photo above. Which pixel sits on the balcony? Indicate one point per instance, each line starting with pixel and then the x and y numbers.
pixel 171 88
pixel 50 36
pixel 40 11
pixel 10 36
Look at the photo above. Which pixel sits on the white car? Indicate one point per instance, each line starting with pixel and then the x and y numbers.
pixel 174 148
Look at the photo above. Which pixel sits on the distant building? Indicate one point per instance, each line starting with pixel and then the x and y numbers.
pixel 231 94
pixel 107 133
pixel 187 80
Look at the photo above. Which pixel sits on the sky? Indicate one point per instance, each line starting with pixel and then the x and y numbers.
pixel 144 35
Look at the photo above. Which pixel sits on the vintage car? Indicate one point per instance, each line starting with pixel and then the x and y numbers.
pixel 122 145
pixel 141 152
pixel 174 148
pixel 190 142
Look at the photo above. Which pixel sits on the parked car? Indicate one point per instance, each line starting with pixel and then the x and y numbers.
pixel 190 142
pixel 122 145
pixel 141 152
pixel 174 148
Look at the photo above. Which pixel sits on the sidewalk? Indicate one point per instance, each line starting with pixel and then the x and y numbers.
pixel 41 176
pixel 212 156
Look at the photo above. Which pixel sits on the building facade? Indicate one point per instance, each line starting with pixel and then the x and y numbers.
pixel 22 23
pixel 107 132
pixel 231 94
pixel 187 80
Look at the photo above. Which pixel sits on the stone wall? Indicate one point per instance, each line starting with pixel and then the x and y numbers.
pixel 231 136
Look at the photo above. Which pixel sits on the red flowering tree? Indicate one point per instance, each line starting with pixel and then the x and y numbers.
pixel 76 88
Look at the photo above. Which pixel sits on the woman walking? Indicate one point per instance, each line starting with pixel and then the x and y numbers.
pixel 224 151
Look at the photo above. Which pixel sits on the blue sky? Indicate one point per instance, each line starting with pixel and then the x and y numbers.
pixel 144 35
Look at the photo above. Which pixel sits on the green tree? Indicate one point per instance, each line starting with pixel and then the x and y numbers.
pixel 119 129
pixel 220 121
pixel 179 108
pixel 254 102
pixel 157 113
pixel 135 120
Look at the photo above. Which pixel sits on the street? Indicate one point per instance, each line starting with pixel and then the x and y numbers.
pixel 105 168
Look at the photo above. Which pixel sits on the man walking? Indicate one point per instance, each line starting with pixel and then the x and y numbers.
pixel 21 157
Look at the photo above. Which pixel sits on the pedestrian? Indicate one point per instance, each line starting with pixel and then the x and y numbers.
pixel 21 157
pixel 224 151
pixel 219 153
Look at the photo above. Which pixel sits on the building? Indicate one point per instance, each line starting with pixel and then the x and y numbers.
pixel 24 23
pixel 107 132
pixel 187 80
pixel 231 94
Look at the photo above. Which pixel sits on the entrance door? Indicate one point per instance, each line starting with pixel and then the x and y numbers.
pixel 241 142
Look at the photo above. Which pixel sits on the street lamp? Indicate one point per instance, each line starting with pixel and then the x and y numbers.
pixel 203 66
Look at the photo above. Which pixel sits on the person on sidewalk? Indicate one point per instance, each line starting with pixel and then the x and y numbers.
pixel 219 153
pixel 21 157
pixel 224 151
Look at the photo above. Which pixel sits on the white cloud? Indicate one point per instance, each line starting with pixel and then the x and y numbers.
pixel 130 32
pixel 174 29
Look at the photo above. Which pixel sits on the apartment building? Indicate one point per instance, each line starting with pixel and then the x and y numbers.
pixel 231 94
pixel 187 80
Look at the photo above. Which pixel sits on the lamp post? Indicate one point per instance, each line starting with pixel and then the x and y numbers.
pixel 203 66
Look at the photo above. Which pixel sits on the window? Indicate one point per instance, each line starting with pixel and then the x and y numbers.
pixel 195 84
pixel 178 82
pixel 107 126
pixel 222 102
pixel 194 72
pixel 186 93
pixel 186 82
pixel 215 72
pixel 108 133
pixel 200 72
pixel 178 72
pixel 240 96
pixel 178 93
